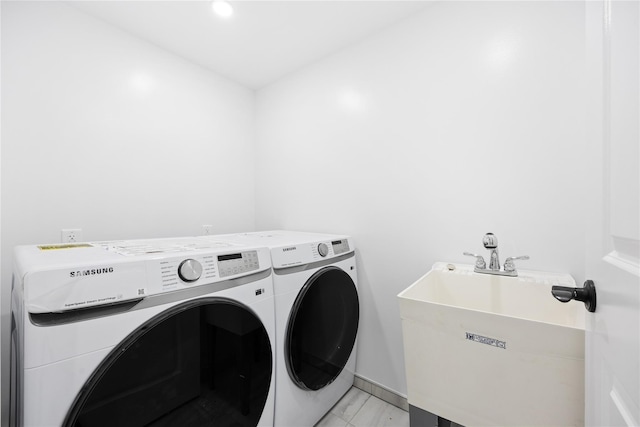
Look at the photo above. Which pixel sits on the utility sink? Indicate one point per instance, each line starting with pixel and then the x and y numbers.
pixel 485 350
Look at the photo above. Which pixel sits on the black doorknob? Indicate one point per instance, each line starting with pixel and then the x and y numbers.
pixel 586 294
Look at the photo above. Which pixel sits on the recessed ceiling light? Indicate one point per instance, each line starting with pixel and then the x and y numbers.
pixel 222 8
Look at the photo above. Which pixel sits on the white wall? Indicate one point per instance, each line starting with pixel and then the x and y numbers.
pixel 464 119
pixel 104 132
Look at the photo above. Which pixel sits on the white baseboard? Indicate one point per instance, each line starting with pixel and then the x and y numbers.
pixel 381 392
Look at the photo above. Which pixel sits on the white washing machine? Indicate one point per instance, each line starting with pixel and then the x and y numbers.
pixel 317 315
pixel 172 332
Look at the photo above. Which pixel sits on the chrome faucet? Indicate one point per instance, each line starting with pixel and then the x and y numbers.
pixel 490 241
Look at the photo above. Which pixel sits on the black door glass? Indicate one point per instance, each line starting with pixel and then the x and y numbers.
pixel 202 363
pixel 322 329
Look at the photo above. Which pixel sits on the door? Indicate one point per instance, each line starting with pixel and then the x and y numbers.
pixel 322 329
pixel 613 215
pixel 203 362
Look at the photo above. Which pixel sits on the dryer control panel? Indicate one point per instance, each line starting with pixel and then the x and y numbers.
pixel 305 253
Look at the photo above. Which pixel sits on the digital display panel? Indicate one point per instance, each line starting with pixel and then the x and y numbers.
pixel 229 257
pixel 340 246
pixel 243 262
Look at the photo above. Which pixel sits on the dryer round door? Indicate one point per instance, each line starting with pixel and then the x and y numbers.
pixel 202 362
pixel 322 328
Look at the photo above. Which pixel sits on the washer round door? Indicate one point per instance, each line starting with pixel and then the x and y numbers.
pixel 322 328
pixel 200 363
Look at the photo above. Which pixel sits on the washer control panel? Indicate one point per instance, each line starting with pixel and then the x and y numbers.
pixel 178 272
pixel 238 263
pixel 105 273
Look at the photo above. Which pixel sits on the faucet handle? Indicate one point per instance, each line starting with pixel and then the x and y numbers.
pixel 480 263
pixel 509 265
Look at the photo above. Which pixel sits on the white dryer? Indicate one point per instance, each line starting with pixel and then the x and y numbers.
pixel 317 315
pixel 172 332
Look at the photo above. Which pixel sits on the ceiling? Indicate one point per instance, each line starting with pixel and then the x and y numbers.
pixel 262 41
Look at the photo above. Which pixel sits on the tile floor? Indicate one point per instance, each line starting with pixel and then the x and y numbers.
pixel 360 409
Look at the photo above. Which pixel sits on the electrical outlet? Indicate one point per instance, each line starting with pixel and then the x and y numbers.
pixel 71 235
pixel 207 229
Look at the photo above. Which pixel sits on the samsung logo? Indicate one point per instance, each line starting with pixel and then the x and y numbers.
pixel 292 248
pixel 91 272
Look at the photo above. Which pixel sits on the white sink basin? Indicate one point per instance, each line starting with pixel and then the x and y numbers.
pixel 493 350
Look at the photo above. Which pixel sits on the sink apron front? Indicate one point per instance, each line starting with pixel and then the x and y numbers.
pixel 471 360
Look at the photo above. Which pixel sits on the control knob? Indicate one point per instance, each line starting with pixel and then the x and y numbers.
pixel 190 270
pixel 323 249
